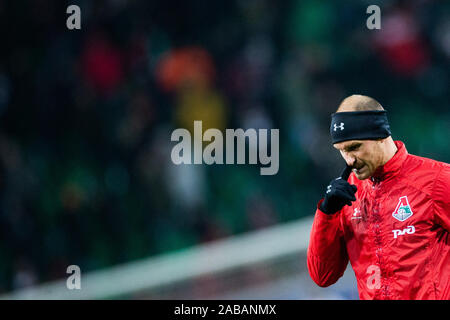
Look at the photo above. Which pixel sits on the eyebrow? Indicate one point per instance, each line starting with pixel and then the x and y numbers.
pixel 352 146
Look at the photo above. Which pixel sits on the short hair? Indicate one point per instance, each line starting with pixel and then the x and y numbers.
pixel 358 102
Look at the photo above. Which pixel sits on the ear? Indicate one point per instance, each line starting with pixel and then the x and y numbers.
pixel 381 140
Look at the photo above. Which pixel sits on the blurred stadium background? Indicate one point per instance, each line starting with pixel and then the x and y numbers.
pixel 86 116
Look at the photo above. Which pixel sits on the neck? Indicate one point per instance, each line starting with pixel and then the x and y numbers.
pixel 390 150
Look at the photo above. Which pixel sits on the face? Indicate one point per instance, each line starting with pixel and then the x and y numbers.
pixel 364 156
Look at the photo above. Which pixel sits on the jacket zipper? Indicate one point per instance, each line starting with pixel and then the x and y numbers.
pixel 378 241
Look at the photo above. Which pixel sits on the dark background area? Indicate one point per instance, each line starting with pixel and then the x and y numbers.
pixel 86 117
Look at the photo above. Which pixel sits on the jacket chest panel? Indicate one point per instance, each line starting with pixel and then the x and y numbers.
pixel 388 212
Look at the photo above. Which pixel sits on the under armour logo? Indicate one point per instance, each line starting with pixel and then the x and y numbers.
pixel 341 126
pixel 356 214
pixel 329 189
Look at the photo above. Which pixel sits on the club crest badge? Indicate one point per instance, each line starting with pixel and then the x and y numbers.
pixel 403 210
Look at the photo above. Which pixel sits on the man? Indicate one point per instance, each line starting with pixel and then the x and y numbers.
pixel 391 220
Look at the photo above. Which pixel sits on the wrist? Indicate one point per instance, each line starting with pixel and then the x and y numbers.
pixel 324 207
pixel 324 215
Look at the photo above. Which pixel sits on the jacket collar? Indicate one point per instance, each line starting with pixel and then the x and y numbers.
pixel 391 167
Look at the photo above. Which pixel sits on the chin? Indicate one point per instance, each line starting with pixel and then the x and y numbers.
pixel 362 176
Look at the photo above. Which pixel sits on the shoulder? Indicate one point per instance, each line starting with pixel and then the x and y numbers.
pixel 425 171
pixel 442 185
pixel 418 166
pixel 424 163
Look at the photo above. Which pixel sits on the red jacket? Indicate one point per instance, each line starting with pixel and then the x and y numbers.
pixel 395 235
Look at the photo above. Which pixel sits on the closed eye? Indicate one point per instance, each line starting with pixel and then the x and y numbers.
pixel 353 147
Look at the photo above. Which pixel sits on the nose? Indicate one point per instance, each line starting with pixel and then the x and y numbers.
pixel 349 159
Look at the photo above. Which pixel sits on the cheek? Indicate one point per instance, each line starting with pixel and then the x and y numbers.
pixel 362 157
pixel 367 159
pixel 373 160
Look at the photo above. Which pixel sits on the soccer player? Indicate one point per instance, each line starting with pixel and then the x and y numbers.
pixel 391 219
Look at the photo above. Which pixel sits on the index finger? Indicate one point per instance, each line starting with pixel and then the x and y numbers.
pixel 346 173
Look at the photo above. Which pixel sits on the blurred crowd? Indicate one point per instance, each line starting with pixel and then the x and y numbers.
pixel 86 117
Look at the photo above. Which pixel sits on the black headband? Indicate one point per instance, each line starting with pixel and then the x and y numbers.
pixel 359 125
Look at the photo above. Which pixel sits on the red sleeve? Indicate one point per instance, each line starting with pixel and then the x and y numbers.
pixel 441 198
pixel 327 256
